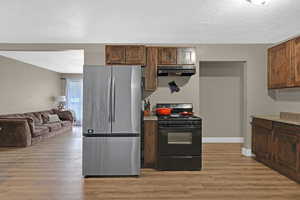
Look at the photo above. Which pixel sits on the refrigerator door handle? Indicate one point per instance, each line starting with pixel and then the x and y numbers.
pixel 114 99
pixel 109 99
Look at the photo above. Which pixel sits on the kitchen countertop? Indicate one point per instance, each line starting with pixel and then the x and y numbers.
pixel 276 118
pixel 151 117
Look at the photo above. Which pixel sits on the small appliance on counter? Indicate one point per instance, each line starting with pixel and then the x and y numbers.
pixel 147 107
pixel 179 137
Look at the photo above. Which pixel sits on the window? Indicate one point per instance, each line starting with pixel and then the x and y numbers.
pixel 180 138
pixel 74 98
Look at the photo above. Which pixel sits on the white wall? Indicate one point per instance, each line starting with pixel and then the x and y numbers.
pixel 258 100
pixel 26 88
pixel 189 91
pixel 287 100
pixel 221 91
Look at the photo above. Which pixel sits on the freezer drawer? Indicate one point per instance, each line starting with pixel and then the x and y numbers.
pixel 111 156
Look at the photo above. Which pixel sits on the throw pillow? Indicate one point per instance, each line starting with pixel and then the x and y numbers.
pixel 53 118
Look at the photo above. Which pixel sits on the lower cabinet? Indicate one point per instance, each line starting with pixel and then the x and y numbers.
pixel 286 151
pixel 150 143
pixel 277 146
pixel 262 139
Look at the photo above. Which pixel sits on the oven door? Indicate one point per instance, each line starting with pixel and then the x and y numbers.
pixel 180 141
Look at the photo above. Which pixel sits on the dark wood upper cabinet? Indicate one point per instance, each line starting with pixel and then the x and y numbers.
pixel 149 57
pixel 167 55
pixel 135 55
pixel 151 69
pixel 186 56
pixel 125 54
pixel 296 61
pixel 279 66
pixel 284 65
pixel 115 54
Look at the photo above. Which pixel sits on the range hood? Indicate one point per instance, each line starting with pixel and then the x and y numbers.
pixel 178 70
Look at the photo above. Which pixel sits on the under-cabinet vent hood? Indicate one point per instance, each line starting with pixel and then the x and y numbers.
pixel 182 70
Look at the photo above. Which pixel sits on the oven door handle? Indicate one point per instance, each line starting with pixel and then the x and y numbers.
pixel 179 128
pixel 181 157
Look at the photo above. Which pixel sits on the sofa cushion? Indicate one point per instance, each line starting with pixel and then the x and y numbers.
pixel 66 123
pixel 53 118
pixel 66 115
pixel 12 116
pixel 37 118
pixel 40 130
pixel 45 114
pixel 53 126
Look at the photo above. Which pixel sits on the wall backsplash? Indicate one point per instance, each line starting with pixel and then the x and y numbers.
pixel 186 95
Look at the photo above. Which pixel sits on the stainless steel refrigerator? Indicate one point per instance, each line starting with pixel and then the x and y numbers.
pixel 111 120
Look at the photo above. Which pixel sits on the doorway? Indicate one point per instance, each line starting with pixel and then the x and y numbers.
pixel 222 101
pixel 74 91
pixel 57 73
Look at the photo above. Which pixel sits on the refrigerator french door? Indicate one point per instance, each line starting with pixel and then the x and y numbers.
pixel 111 120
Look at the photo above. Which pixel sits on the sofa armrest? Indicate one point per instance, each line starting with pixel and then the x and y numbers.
pixel 66 115
pixel 14 132
pixel 29 120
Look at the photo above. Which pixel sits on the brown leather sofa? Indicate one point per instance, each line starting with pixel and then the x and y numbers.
pixel 22 130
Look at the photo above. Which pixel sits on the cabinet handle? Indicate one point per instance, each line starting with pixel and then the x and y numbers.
pixel 294 148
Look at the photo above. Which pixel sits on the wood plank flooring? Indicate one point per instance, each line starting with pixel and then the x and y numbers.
pixel 52 170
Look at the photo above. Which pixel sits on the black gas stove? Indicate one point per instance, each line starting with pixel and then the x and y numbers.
pixel 179 138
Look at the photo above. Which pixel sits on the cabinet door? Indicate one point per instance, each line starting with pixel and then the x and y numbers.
pixel 186 56
pixel 115 54
pixel 150 143
pixel 296 61
pixel 135 55
pixel 151 69
pixel 287 150
pixel 261 142
pixel 167 55
pixel 279 66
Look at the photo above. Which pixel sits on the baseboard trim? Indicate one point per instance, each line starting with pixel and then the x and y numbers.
pixel 223 140
pixel 247 152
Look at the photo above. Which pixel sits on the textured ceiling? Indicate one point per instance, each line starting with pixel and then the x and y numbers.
pixel 144 21
pixel 59 61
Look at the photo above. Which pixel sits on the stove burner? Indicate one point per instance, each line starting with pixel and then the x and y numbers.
pixel 179 110
pixel 181 116
pixel 178 117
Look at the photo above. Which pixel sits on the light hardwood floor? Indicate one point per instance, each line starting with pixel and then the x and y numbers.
pixel 52 170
